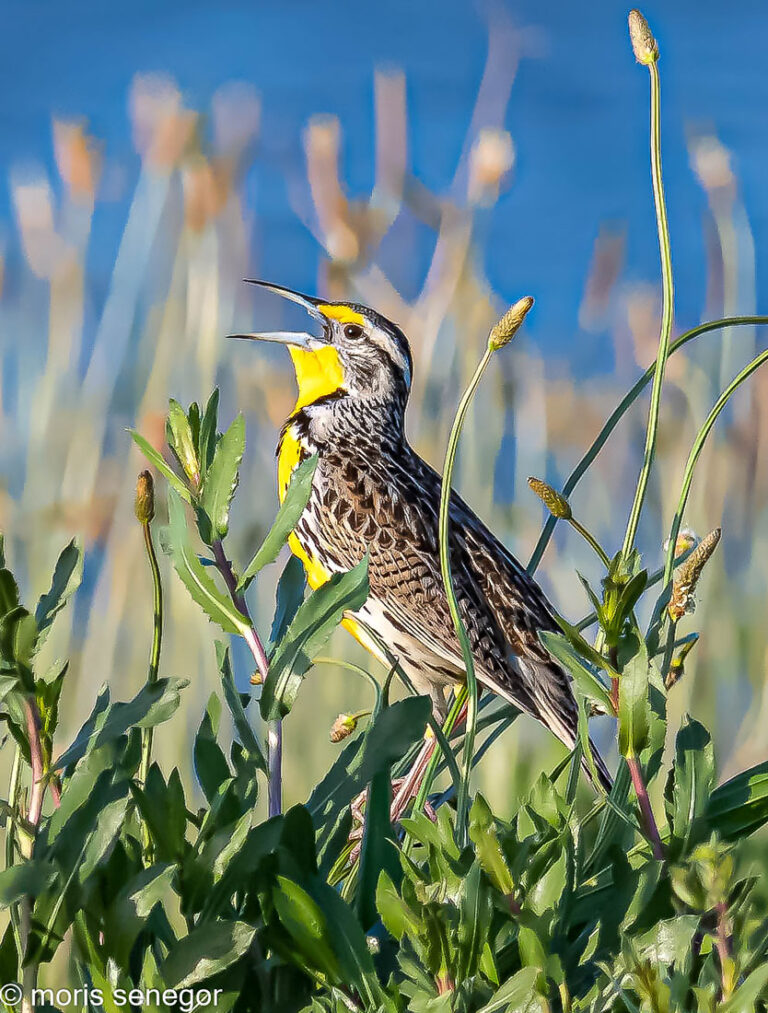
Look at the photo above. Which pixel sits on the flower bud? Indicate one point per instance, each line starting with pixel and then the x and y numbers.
pixel 687 576
pixel 645 47
pixel 144 506
pixel 677 668
pixel 503 332
pixel 557 505
pixel 257 679
pixel 343 727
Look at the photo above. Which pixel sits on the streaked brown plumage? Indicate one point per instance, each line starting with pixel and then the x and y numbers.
pixel 373 493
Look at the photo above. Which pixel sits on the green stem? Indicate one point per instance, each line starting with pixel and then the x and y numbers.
pixel 154 665
pixel 445 568
pixel 618 414
pixel 459 700
pixel 14 792
pixel 667 310
pixel 591 540
pixel 698 446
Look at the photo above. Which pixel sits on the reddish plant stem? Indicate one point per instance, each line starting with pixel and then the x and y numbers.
pixel 649 820
pixel 252 639
pixel 32 716
pixel 723 946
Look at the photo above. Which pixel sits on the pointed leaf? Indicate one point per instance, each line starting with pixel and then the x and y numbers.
pixel 585 681
pixel 208 425
pixel 66 580
pixel 296 498
pixel 634 709
pixel 690 781
pixel 222 478
pixel 290 595
pixel 315 620
pixel 216 605
pixel 158 461
pixel 182 442
pixel 207 950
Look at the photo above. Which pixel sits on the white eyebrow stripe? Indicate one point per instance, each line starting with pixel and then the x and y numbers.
pixel 390 347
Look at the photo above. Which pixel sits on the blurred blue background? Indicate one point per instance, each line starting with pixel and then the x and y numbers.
pixel 577 114
pixel 436 161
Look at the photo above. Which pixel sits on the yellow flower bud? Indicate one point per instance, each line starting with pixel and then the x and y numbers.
pixel 503 332
pixel 144 506
pixel 557 505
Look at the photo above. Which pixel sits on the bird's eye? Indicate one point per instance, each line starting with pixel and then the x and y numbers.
pixel 353 331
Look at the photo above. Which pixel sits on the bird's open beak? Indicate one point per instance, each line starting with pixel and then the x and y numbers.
pixel 298 339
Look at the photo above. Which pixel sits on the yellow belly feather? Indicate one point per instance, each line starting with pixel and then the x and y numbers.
pixel 318 373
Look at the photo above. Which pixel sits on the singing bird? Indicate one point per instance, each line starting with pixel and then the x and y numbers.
pixel 373 493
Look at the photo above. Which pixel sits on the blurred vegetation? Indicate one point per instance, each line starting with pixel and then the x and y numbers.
pixel 78 366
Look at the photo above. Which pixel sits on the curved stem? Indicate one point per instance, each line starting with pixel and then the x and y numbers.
pixel 445 568
pixel 591 540
pixel 698 446
pixel 154 657
pixel 618 414
pixel 667 310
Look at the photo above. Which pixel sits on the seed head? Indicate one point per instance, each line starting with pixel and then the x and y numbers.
pixel 557 505
pixel 503 332
pixel 343 727
pixel 645 46
pixel 144 506
pixel 687 576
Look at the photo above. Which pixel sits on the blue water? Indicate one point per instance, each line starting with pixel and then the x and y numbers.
pixel 578 116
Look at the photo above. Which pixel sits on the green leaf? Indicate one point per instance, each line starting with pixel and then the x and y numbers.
pixel 315 620
pixel 216 605
pixel 482 833
pixel 181 441
pixel 158 461
pixel 208 949
pixel 208 425
pixel 585 681
pixel 348 940
pixel 304 920
pixel 740 806
pixel 221 481
pixel 752 988
pixel 584 648
pixel 634 709
pixel 164 810
pixel 290 595
pixel 129 911
pixel 66 579
pixel 211 766
pixel 296 498
pixel 26 880
pixel 517 995
pixel 475 913
pixel 243 727
pixel 690 781
pixel 7 684
pixel 9 592
pixel 398 917
pixel 152 705
pixel 378 851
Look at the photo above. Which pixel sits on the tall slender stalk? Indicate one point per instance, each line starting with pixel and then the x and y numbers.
pixel 500 335
pixel 618 414
pixel 647 52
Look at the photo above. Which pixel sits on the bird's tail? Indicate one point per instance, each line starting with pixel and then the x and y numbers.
pixel 557 709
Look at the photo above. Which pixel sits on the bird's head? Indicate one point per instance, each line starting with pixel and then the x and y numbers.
pixel 357 352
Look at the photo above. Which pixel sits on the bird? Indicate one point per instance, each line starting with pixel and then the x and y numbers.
pixel 373 493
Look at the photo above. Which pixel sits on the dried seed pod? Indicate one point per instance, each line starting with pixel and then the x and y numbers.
pixel 343 726
pixel 144 506
pixel 557 505
pixel 644 45
pixel 503 332
pixel 687 576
